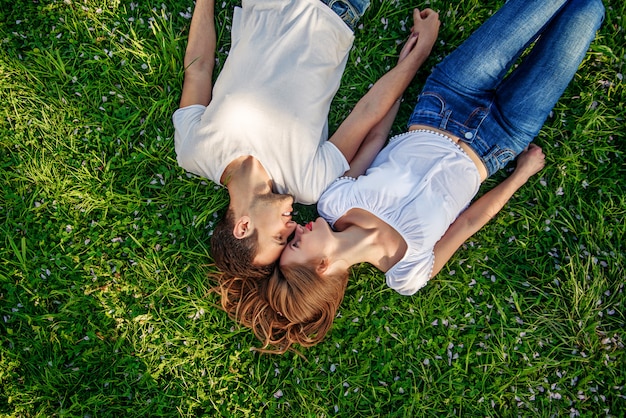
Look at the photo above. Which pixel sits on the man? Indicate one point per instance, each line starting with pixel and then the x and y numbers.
pixel 261 130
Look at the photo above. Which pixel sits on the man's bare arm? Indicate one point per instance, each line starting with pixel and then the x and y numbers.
pixel 200 56
pixel 378 101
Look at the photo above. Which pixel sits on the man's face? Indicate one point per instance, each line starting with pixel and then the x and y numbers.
pixel 271 217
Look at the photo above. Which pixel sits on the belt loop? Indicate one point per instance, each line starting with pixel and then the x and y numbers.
pixel 444 121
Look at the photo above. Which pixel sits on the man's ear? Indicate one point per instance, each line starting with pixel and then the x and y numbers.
pixel 243 227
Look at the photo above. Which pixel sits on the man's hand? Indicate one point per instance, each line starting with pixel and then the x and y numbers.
pixel 425 30
pixel 426 26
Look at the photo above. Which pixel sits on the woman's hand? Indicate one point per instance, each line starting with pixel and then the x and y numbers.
pixel 530 162
pixel 408 46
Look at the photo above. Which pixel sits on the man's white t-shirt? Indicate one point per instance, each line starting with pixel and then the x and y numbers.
pixel 272 98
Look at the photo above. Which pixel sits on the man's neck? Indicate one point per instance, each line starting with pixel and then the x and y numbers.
pixel 245 178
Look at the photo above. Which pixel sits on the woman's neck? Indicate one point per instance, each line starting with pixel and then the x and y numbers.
pixel 366 238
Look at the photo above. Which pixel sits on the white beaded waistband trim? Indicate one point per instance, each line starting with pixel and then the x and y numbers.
pixel 439 134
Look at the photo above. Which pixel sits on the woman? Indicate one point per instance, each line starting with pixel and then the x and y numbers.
pixel 409 213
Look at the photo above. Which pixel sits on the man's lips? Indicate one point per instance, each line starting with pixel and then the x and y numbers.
pixel 309 226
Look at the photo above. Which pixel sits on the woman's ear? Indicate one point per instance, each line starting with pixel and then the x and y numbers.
pixel 322 266
pixel 243 227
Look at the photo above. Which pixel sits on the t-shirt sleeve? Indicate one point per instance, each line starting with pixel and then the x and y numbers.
pixel 336 199
pixel 329 165
pixel 235 32
pixel 186 120
pixel 412 273
pixel 338 161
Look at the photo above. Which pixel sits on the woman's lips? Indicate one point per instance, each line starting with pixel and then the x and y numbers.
pixel 309 226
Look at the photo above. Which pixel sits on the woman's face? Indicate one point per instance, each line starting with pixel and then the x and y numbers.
pixel 308 245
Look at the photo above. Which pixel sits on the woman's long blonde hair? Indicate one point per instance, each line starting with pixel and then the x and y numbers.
pixel 292 306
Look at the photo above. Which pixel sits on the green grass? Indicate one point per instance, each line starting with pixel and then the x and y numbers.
pixel 105 308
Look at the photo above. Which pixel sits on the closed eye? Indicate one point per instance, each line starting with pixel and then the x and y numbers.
pixel 281 242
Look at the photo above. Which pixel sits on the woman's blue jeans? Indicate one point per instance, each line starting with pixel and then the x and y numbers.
pixel 468 94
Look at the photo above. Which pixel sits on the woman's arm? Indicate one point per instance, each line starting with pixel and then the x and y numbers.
pixel 530 162
pixel 379 100
pixel 200 56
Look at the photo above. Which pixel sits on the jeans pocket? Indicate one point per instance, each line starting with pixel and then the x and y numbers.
pixel 476 118
pixel 429 110
pixel 503 156
pixel 429 102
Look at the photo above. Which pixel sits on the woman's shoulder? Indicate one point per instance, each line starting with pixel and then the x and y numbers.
pixel 339 186
pixel 336 199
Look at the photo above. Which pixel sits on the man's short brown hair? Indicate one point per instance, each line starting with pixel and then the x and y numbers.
pixel 235 256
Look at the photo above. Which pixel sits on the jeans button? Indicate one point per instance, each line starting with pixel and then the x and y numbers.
pixel 469 135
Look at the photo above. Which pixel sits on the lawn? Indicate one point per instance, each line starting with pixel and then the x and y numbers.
pixel 105 303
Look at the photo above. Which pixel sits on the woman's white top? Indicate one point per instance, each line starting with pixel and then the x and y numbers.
pixel 271 99
pixel 418 184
